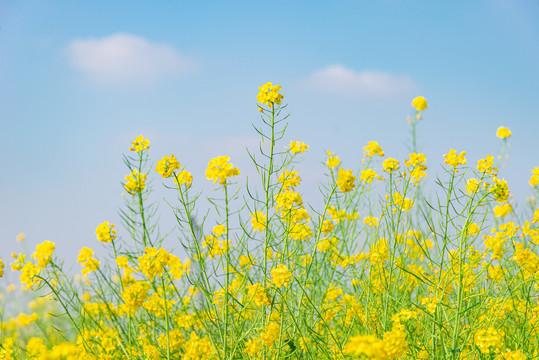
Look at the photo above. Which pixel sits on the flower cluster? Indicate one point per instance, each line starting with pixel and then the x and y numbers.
pixel 105 232
pixel 298 147
pixel 140 144
pixel 219 169
pixel 136 182
pixel 268 95
pixel 167 165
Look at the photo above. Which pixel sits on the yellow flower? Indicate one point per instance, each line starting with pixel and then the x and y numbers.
pixel 135 295
pixel 281 276
pixel 43 253
pixel 184 177
pixel 473 229
pixel 257 293
pixel 153 262
pixel 373 148
pixel 472 185
pixel 534 180
pixel 389 165
pixel 140 144
pixel 28 275
pixel 289 179
pixel 136 182
pixel 489 341
pixel 502 210
pixel 20 237
pixel 298 147
pixel 345 180
pixel 105 232
pixel 486 165
pixel 87 261
pixel 368 175
pixel 404 203
pixel 453 159
pixel 268 94
pixel 219 169
pixel 258 220
pixel 500 189
pixel 166 166
pixel 503 132
pixel 419 103
pixel 332 161
pixel 1 268
pixel 272 333
pixel 371 221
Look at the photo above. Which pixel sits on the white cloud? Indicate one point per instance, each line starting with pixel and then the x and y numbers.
pixel 365 84
pixel 127 59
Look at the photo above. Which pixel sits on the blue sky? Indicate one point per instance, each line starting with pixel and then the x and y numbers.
pixel 79 80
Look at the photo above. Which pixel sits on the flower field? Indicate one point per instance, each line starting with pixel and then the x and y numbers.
pixel 383 270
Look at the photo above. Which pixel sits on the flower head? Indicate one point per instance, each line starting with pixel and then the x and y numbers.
pixel 166 166
pixel 43 253
pixel 333 160
pixel 136 182
pixel 140 144
pixel 258 220
pixel 373 149
pixel 298 147
pixel 389 165
pixel 345 180
pixel 268 94
pixel 453 159
pixel 105 232
pixel 87 261
pixel 184 178
pixel 419 103
pixel 281 275
pixel 503 132
pixel 534 180
pixel 219 169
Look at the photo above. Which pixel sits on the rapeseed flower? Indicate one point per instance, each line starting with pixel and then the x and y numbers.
pixel 140 144
pixel 534 180
pixel 453 159
pixel 136 182
pixel 268 95
pixel 1 268
pixel 105 232
pixel 167 165
pixel 345 180
pixel 289 179
pixel 87 261
pixel 281 276
pixel 272 333
pixel 43 253
pixel 258 220
pixel 153 262
pixel 332 161
pixel 472 185
pixel 298 147
pixel 486 165
pixel 389 165
pixel 368 176
pixel 503 132
pixel 489 341
pixel 219 169
pixel 500 189
pixel 184 178
pixel 502 210
pixel 372 149
pixel 419 103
